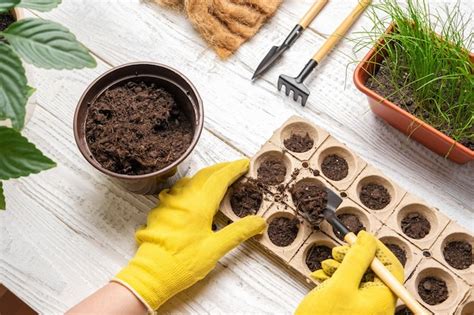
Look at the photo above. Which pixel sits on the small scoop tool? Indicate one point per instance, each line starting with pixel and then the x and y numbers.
pixel 377 266
pixel 277 51
pixel 296 85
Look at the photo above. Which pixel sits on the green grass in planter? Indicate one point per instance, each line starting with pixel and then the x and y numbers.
pixel 429 75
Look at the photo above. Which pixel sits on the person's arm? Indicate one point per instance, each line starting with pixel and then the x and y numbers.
pixel 111 299
pixel 177 246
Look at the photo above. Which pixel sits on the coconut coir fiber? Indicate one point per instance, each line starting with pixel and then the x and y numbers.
pixel 137 129
pixel 225 24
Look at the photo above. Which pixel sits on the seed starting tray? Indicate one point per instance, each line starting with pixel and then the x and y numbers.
pixel 424 256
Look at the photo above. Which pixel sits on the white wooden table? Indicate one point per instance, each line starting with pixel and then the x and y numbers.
pixel 67 231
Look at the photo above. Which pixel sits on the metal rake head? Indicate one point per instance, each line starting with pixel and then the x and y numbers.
pixel 294 85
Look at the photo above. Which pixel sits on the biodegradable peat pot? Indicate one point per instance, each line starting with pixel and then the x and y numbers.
pixel 186 97
pixel 404 121
pixel 31 104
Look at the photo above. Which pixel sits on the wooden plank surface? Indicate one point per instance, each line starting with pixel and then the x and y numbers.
pixel 68 230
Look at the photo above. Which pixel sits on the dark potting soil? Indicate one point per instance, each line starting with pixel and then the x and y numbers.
pixel 272 171
pixel 374 196
pixel 458 254
pixel 5 20
pixel 381 83
pixel 404 311
pixel 398 252
pixel 351 221
pixel 282 231
pixel 433 290
pixel 335 167
pixel 137 129
pixel 310 199
pixel 415 225
pixel 298 143
pixel 246 198
pixel 316 255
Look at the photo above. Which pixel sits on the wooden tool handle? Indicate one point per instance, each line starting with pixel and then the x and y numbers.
pixel 390 281
pixel 341 30
pixel 312 13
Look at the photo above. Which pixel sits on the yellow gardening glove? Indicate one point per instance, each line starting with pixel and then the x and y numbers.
pixel 177 246
pixel 345 290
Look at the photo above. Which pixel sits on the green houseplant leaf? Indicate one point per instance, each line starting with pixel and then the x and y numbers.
pixel 13 87
pixel 39 5
pixel 18 157
pixel 2 198
pixel 47 44
pixel 6 5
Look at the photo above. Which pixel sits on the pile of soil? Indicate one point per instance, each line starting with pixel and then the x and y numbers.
pixel 137 129
pixel 381 82
pixel 5 20
pixel 272 171
pixel 298 143
pixel 282 231
pixel 374 196
pixel 310 199
pixel 433 290
pixel 316 255
pixel 246 198
pixel 458 254
pixel 399 252
pixel 351 221
pixel 415 225
pixel 403 311
pixel 335 167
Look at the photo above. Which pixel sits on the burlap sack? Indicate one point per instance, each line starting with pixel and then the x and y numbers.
pixel 226 24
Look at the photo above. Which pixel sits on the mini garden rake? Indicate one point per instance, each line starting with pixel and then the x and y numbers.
pixel 296 85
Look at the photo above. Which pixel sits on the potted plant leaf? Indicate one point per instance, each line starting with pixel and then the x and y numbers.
pixel 419 75
pixel 43 44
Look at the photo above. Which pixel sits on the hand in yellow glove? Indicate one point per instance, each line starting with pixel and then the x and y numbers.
pixel 345 290
pixel 177 246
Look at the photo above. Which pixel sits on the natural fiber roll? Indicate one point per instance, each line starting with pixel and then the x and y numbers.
pixel 226 24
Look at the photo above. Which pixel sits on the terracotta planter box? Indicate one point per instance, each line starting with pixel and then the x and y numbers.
pixel 402 120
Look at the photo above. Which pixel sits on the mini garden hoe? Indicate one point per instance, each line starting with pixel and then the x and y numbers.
pixel 277 51
pixel 377 266
pixel 297 84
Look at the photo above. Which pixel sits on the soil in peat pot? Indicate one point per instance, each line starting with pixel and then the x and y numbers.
pixel 458 254
pixel 137 129
pixel 316 255
pixel 5 20
pixel 310 200
pixel 433 290
pixel 404 311
pixel 335 167
pixel 298 143
pixel 415 225
pixel 351 221
pixel 272 171
pixel 246 198
pixel 282 231
pixel 398 252
pixel 381 83
pixel 374 196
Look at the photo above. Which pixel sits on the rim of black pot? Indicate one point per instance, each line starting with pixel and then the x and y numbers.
pixel 197 106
